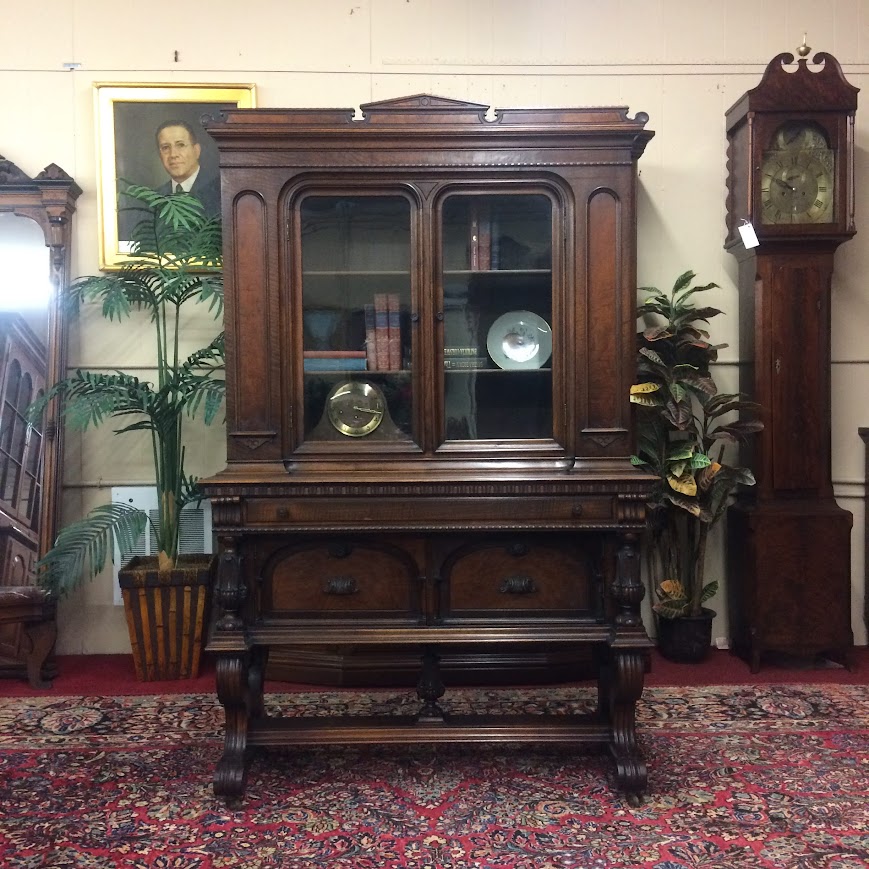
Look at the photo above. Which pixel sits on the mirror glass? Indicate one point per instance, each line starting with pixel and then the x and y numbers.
pixel 25 271
pixel 25 294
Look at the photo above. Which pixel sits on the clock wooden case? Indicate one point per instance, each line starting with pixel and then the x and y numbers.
pixel 791 175
pixel 430 333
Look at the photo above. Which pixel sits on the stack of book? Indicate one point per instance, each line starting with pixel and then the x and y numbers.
pixel 383 333
pixel 335 360
pixel 464 358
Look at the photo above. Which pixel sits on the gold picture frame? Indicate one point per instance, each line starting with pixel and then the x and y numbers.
pixel 128 116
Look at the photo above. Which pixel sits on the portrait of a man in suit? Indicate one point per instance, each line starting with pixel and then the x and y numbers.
pixel 156 136
pixel 180 153
pixel 164 146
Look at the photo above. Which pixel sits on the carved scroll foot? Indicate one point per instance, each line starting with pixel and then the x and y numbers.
pixel 631 777
pixel 233 692
pixel 625 689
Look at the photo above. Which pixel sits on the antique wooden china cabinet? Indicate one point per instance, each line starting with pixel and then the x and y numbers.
pixel 430 328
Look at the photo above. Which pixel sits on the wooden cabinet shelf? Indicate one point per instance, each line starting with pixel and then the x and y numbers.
pixel 346 272
pixel 496 271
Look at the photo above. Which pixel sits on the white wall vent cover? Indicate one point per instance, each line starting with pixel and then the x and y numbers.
pixel 195 526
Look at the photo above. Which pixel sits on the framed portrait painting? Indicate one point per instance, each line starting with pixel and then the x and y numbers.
pixel 153 135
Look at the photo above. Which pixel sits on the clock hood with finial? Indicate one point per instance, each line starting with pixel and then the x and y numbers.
pixel 793 94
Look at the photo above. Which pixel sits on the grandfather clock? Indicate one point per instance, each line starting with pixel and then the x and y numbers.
pixel 791 179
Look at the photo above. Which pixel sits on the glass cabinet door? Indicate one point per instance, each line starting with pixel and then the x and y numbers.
pixel 497 317
pixel 356 304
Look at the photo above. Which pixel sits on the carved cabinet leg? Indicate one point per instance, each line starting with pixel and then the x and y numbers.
pixel 430 687
pixel 239 685
pixel 627 590
pixel 621 684
pixel 233 692
pixel 40 637
pixel 625 690
pixel 256 680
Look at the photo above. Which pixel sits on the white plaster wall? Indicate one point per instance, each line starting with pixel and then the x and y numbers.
pixel 682 62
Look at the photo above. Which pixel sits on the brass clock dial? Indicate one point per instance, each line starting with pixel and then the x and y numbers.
pixel 355 408
pixel 797 177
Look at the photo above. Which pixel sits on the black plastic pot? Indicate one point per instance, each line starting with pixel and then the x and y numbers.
pixel 686 640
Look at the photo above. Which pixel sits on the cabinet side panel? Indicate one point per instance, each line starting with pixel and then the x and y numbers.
pixel 252 428
pixel 600 358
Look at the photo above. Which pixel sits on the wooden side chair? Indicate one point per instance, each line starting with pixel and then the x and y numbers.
pixel 35 610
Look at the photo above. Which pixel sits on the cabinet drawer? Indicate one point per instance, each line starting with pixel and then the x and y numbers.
pixel 322 579
pixel 516 580
pixel 428 512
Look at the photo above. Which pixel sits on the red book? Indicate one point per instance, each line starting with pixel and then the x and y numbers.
pixel 484 240
pixel 334 354
pixel 381 330
pixel 370 340
pixel 394 322
pixel 474 240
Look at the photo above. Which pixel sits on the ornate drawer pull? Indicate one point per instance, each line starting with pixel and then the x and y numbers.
pixel 341 585
pixel 518 584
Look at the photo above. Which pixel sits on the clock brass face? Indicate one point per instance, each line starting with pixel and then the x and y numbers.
pixel 797 177
pixel 355 408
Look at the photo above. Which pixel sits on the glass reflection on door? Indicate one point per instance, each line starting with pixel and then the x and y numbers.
pixel 497 307
pixel 356 301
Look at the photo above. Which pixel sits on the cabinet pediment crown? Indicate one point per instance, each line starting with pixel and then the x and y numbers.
pixel 807 89
pixel 421 101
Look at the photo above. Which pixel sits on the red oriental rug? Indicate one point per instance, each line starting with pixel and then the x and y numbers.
pixel 740 776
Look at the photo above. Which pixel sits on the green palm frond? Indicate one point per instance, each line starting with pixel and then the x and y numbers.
pixel 207 395
pixel 177 211
pixel 190 492
pixel 89 398
pixel 208 357
pixel 88 543
pixel 211 293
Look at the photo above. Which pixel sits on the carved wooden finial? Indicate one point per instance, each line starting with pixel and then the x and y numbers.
pixel 10 173
pixel 53 172
pixel 803 50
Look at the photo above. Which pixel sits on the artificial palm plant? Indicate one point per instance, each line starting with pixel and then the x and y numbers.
pixel 684 426
pixel 175 261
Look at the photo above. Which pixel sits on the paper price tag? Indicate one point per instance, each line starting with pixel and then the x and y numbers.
pixel 749 236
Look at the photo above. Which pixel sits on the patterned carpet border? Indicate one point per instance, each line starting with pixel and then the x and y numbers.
pixel 740 777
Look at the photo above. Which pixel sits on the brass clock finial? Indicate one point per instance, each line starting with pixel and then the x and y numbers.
pixel 804 49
